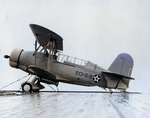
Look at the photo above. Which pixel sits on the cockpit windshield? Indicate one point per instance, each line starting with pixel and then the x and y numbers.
pixel 64 58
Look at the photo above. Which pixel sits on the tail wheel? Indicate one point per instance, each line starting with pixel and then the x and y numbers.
pixel 26 87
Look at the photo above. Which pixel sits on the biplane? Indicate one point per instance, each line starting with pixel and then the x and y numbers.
pixel 48 65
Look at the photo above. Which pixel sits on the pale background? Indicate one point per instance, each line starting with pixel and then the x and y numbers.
pixel 94 30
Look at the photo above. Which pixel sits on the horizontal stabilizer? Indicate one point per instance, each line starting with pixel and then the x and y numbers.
pixel 117 76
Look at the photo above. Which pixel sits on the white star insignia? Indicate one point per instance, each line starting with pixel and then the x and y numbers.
pixel 96 78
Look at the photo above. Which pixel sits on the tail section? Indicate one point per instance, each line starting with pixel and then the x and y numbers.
pixel 119 73
pixel 122 65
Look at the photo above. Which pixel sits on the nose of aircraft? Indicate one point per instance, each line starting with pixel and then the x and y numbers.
pixel 14 57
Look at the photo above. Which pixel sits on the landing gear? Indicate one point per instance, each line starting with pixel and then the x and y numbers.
pixel 32 85
pixel 26 87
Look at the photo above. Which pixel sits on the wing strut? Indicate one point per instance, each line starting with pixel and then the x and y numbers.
pixel 35 51
pixel 49 41
pixel 51 53
pixel 49 50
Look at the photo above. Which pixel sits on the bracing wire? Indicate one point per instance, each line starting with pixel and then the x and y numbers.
pixel 13 82
pixel 53 88
pixel 18 90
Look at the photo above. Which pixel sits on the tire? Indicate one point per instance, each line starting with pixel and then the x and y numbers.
pixel 26 87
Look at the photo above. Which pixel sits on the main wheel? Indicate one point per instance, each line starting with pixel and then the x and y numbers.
pixel 26 87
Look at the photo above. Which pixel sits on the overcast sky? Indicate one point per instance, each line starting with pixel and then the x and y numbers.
pixel 94 30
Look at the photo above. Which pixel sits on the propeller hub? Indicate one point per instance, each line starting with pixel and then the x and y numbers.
pixel 6 56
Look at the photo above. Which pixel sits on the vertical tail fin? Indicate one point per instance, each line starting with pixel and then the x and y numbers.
pixel 123 65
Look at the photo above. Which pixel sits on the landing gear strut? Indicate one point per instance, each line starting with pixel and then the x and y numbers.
pixel 33 84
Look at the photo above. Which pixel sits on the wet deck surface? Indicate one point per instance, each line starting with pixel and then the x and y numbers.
pixel 76 105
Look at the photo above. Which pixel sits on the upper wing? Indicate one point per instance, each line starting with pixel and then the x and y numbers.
pixel 44 36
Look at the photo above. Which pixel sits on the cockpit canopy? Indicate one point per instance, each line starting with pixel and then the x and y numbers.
pixel 76 61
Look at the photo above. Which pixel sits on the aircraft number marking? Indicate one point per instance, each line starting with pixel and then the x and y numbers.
pixel 86 75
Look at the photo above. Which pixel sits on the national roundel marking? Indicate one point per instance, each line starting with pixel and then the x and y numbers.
pixel 96 78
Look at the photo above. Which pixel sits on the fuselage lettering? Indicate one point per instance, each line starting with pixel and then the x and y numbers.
pixel 82 74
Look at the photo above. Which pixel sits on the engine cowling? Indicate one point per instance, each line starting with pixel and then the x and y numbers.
pixel 14 57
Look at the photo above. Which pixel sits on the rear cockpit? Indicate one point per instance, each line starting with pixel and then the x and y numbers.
pixel 77 62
